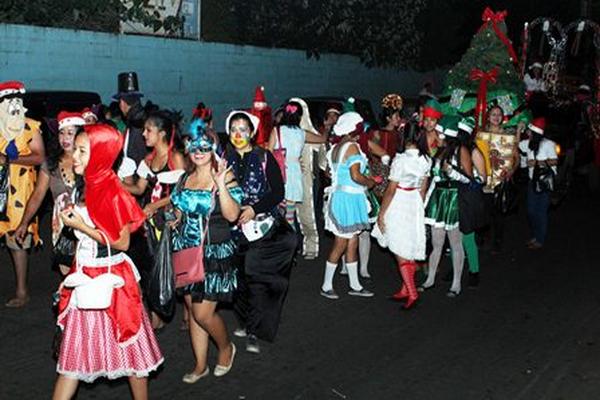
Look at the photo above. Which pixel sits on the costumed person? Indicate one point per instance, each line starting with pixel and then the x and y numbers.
pixel 21 150
pixel 89 116
pixel 207 202
pixel 310 164
pixel 502 165
pixel 465 135
pixel 56 174
pixel 541 162
pixel 105 329
pixel 261 110
pixel 430 117
pixel 346 209
pixel 267 244
pixel 372 150
pixel 134 116
pixel 404 201
pixel 389 138
pixel 442 211
pixel 533 79
pixel 156 176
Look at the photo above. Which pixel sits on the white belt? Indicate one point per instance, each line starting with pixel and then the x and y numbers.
pixel 350 189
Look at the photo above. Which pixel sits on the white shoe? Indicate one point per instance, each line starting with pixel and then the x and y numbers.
pixel 193 378
pixel 221 370
pixel 361 293
pixel 240 332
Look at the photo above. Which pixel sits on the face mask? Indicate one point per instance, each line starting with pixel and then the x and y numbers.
pixel 12 117
pixel 240 139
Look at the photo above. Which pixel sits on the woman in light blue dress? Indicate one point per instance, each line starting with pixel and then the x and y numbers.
pixel 347 210
pixel 289 137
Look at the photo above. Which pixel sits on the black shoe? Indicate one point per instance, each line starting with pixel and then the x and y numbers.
pixel 252 345
pixel 473 280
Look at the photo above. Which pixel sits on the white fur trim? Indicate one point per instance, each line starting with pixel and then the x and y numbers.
pixel 451 133
pixel 8 92
pixel 71 121
pixel 465 127
pixel 253 118
pixel 535 129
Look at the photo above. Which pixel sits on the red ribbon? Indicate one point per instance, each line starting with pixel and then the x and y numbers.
pixel 490 16
pixel 484 78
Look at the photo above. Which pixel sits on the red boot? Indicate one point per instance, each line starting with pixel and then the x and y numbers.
pixel 407 270
pixel 403 292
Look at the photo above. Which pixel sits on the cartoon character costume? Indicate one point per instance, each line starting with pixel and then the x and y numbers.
pixel 263 112
pixel 16 132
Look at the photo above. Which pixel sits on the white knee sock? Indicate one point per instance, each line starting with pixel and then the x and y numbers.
pixel 364 249
pixel 328 278
pixel 353 275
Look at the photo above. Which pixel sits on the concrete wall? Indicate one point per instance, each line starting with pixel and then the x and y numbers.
pixel 178 73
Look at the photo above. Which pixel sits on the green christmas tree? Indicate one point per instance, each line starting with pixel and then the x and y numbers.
pixel 489 49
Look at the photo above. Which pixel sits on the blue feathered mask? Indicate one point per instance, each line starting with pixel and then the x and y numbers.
pixel 198 139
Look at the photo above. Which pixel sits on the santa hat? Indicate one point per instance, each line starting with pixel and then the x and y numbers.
pixel 259 95
pixel 11 87
pixel 66 118
pixel 536 65
pixel 253 118
pixel 432 109
pixel 451 126
pixel 333 108
pixel 347 123
pixel 467 124
pixel 87 112
pixel 537 125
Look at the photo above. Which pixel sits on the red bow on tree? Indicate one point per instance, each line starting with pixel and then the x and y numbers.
pixel 483 78
pixel 489 16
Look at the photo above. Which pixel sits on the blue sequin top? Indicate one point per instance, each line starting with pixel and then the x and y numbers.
pixel 195 205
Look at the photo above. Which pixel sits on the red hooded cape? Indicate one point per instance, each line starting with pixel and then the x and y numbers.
pixel 109 205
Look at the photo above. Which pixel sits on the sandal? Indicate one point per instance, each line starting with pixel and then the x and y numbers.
pixel 17 302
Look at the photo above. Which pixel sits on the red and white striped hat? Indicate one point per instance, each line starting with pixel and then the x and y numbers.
pixel 11 87
pixel 538 125
pixel 66 118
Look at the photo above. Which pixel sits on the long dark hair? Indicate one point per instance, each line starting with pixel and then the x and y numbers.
pixel 292 115
pixel 54 151
pixel 387 112
pixel 168 121
pixel 414 135
pixel 534 142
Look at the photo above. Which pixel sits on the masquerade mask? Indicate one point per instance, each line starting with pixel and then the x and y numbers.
pixel 198 139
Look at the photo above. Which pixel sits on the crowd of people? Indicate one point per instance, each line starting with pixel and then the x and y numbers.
pixel 237 211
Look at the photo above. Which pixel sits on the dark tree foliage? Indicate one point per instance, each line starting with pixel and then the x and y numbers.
pixel 381 33
pixel 104 15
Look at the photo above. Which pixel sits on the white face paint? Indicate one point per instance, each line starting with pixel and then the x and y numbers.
pixel 12 117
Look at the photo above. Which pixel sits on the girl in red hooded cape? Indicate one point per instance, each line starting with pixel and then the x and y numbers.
pixel 105 329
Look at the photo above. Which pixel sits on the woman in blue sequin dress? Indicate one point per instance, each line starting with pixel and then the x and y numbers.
pixel 207 201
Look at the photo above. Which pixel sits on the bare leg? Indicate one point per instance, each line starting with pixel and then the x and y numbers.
pixel 65 388
pixel 205 316
pixel 20 264
pixel 339 248
pixel 437 240
pixel 199 339
pixel 139 388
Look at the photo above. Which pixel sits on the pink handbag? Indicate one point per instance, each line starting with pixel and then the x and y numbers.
pixel 188 266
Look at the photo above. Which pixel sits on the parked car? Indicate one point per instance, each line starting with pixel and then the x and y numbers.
pixel 42 104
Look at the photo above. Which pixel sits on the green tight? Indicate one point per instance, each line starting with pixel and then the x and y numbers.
pixel 472 252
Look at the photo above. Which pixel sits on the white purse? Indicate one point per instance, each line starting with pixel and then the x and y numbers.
pixel 93 293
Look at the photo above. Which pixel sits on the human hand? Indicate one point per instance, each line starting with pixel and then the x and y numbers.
pixel 21 232
pixel 220 174
pixel 149 210
pixel 72 218
pixel 2 159
pixel 247 214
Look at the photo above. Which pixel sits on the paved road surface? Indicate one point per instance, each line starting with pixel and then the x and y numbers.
pixel 531 331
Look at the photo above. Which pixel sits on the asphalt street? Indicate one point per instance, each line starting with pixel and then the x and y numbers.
pixel 530 331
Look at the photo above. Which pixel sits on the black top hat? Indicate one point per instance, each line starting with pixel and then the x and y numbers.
pixel 128 85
